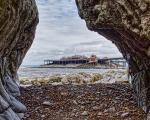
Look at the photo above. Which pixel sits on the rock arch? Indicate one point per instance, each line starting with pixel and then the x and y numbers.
pixel 18 20
pixel 127 24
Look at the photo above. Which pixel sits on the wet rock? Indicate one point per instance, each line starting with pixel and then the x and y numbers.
pixel 109 76
pixel 96 77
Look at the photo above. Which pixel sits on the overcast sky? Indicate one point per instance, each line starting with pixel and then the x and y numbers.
pixel 62 33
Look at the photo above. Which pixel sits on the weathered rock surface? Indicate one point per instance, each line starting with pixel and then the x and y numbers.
pixel 18 20
pixel 127 24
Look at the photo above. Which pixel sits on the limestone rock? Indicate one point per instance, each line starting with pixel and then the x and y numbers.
pixel 18 20
pixel 127 24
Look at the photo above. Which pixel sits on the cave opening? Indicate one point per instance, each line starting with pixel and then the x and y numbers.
pixel 126 24
pixel 59 30
pixel 61 35
pixel 59 27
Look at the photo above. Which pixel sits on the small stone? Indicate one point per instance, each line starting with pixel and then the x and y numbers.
pixel 37 108
pixel 85 113
pixel 74 110
pixel 47 109
pixel 110 110
pixel 126 114
pixel 82 107
pixel 99 113
pixel 74 102
pixel 73 114
pixel 95 108
pixel 42 116
pixel 64 93
pixel 47 103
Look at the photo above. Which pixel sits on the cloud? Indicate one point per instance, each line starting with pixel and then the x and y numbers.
pixel 62 33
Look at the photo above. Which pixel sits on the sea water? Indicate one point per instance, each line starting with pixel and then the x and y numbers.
pixel 33 72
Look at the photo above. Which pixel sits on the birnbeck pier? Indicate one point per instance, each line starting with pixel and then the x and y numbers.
pixel 84 62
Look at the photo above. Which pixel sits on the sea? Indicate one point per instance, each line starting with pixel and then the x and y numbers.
pixel 35 72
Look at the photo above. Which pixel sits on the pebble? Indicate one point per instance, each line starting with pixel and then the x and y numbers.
pixel 74 110
pixel 54 105
pixel 64 93
pixel 110 109
pixel 47 103
pixel 73 114
pixel 75 102
pixel 99 113
pixel 95 108
pixel 126 114
pixel 82 107
pixel 42 116
pixel 85 113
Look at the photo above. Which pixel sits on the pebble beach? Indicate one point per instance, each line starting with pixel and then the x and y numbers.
pixel 79 95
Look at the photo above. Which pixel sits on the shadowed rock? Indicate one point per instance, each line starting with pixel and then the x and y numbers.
pixel 18 20
pixel 127 24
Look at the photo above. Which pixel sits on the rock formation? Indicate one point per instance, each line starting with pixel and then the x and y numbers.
pixel 127 24
pixel 18 20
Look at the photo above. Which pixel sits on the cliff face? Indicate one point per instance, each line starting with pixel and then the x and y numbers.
pixel 127 24
pixel 18 20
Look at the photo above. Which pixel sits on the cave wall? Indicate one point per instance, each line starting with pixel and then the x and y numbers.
pixel 127 24
pixel 18 20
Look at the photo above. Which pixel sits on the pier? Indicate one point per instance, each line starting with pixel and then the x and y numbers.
pixel 120 62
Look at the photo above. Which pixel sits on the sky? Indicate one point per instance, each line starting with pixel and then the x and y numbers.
pixel 61 32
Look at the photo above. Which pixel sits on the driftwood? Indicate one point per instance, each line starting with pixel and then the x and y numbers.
pixel 18 20
pixel 127 24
